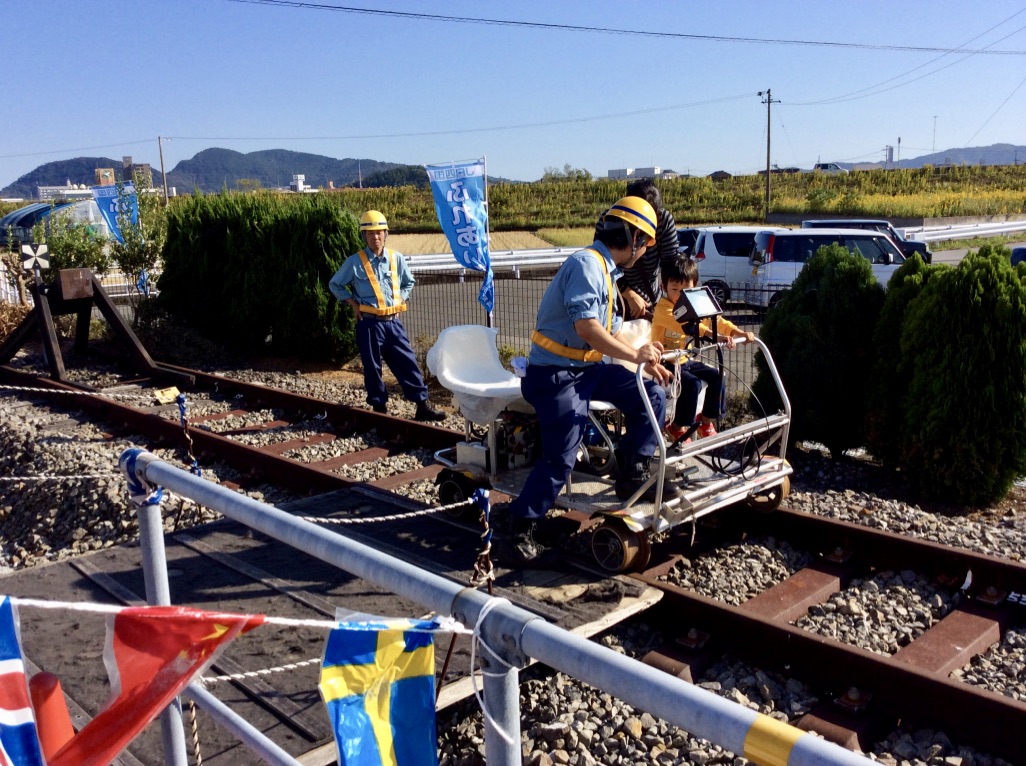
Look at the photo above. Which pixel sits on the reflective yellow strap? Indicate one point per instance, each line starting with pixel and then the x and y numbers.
pixel 769 742
pixel 381 309
pixel 581 354
pixel 609 288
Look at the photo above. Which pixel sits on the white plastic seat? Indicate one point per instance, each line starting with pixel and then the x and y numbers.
pixel 466 361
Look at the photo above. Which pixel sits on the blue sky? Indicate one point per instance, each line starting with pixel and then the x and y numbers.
pixel 92 78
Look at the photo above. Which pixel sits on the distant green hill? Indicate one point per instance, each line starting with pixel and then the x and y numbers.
pixel 210 171
pixel 80 170
pixel 213 169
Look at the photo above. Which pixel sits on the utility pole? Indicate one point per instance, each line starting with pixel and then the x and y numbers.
pixel 163 175
pixel 935 133
pixel 768 101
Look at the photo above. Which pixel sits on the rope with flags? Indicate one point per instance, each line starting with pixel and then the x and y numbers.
pixel 377 680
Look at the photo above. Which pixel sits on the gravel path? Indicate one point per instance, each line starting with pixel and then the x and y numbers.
pixel 564 721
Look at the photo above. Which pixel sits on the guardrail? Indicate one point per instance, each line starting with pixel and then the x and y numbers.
pixel 512 635
pixel 963 231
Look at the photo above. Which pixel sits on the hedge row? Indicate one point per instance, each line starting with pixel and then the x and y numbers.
pixel 929 376
pixel 254 268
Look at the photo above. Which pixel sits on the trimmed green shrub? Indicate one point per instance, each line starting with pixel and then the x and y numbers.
pixel 245 267
pixel 820 335
pixel 893 374
pixel 964 344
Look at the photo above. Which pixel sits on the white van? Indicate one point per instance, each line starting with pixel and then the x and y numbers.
pixel 830 168
pixel 778 257
pixel 722 256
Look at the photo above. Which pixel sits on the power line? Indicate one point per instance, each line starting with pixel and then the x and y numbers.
pixel 457 131
pixel 974 135
pixel 420 134
pixel 611 31
pixel 80 149
pixel 854 95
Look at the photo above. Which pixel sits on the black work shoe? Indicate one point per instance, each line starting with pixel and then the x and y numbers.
pixel 522 544
pixel 516 546
pixel 426 412
pixel 380 408
pixel 634 474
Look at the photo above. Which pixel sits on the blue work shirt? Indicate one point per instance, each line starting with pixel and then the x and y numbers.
pixel 351 280
pixel 578 291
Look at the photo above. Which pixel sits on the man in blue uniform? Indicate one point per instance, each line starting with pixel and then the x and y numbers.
pixel 377 282
pixel 578 322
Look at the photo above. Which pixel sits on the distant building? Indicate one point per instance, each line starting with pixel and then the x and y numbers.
pixel 132 170
pixel 720 175
pixel 629 173
pixel 299 184
pixel 63 192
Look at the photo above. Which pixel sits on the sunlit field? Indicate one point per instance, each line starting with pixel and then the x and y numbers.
pixel 421 244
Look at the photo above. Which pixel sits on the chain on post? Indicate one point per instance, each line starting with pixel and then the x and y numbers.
pixel 484 570
pixel 181 401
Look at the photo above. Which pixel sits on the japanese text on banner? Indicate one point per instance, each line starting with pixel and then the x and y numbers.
pixel 459 193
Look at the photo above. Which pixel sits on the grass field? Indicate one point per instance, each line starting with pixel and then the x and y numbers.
pixel 421 244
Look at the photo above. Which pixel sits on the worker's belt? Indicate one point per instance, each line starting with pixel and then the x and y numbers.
pixel 580 354
pixel 376 317
pixel 386 313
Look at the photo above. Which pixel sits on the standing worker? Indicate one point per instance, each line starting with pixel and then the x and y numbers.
pixel 578 322
pixel 640 283
pixel 377 282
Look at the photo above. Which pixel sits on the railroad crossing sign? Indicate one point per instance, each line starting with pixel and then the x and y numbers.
pixel 37 257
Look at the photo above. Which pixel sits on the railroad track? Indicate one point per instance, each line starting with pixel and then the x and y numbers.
pixel 872 691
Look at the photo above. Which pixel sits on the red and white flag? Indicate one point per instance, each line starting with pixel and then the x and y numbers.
pixel 19 743
pixel 151 654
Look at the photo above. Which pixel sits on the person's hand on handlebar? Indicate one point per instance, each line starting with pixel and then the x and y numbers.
pixel 649 356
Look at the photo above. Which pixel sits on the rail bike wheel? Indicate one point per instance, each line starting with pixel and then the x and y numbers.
pixel 454 487
pixel 619 549
pixel 770 500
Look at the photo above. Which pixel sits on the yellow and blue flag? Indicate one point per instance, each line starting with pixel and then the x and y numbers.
pixel 378 682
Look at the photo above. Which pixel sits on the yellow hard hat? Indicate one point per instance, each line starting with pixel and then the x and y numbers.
pixel 372 220
pixel 637 212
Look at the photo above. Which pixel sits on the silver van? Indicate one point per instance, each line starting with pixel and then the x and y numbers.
pixel 722 256
pixel 778 256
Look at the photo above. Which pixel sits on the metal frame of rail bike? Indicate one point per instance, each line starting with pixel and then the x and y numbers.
pixel 733 466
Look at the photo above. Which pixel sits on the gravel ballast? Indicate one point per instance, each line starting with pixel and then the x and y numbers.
pixel 564 721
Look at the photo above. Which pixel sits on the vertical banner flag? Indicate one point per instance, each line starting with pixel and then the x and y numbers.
pixel 111 204
pixel 459 192
pixel 378 682
pixel 151 654
pixel 19 742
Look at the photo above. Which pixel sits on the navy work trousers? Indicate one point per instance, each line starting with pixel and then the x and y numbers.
pixel 560 396
pixel 692 376
pixel 385 341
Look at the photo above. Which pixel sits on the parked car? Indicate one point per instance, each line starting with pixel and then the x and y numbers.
pixel 778 256
pixel 830 168
pixel 906 246
pixel 722 255
pixel 1018 255
pixel 686 239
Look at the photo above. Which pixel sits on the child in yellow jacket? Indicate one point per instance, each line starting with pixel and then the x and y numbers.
pixel 677 274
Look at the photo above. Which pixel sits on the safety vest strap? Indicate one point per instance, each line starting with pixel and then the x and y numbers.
pixel 581 354
pixel 381 309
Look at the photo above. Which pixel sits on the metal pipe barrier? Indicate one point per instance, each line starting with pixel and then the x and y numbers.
pixel 509 634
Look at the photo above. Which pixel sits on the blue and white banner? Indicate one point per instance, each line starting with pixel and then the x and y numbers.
pixel 459 192
pixel 111 204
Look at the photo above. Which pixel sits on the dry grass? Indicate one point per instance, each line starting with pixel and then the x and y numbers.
pixel 10 317
pixel 421 244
